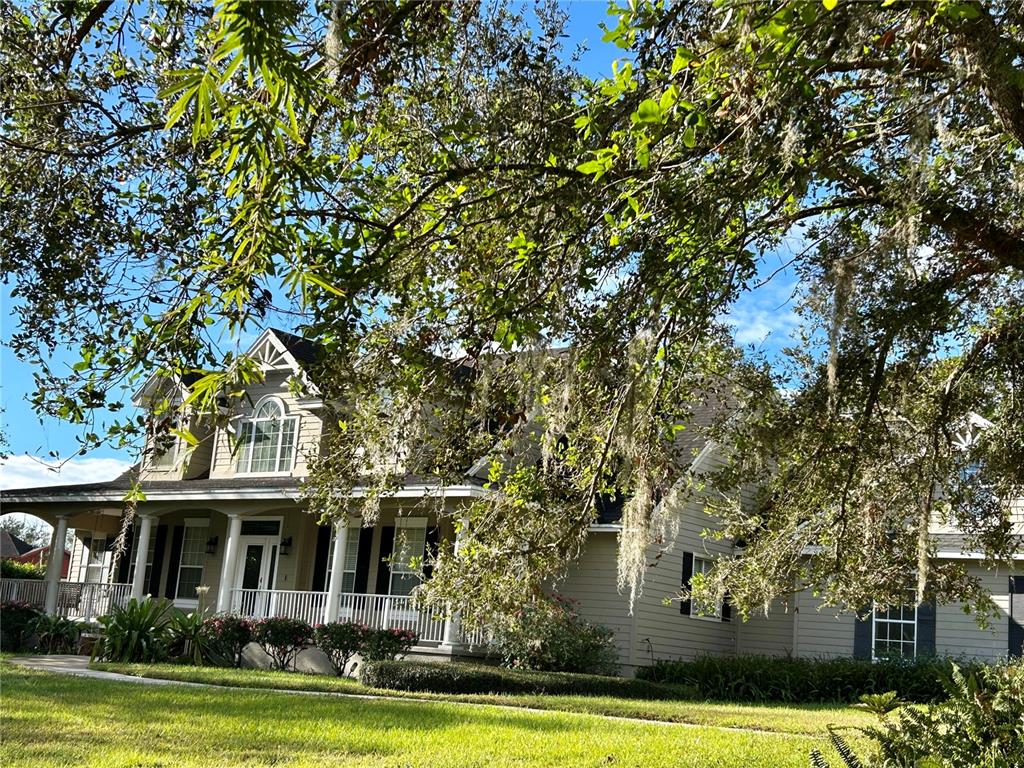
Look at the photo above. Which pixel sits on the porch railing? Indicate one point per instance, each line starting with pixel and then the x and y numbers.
pixel 377 611
pixel 80 600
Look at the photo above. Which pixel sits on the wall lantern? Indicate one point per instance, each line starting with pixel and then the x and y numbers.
pixel 211 545
pixel 286 545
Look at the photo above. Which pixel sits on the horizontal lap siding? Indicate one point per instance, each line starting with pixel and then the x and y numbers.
pixel 770 635
pixel 958 634
pixel 821 633
pixel 591 582
pixel 661 630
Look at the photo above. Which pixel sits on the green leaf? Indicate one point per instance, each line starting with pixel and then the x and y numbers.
pixel 649 111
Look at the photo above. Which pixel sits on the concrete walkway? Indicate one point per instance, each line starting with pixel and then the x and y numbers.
pixel 78 666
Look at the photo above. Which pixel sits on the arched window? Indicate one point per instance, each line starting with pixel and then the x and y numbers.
pixel 266 442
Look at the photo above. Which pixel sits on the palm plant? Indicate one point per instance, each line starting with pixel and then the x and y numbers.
pixel 136 631
pixel 56 634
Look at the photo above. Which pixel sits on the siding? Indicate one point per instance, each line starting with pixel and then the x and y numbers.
pixel 820 631
pixel 958 634
pixel 770 635
pixel 591 581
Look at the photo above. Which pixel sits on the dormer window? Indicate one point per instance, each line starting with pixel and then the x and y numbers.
pixel 163 445
pixel 266 442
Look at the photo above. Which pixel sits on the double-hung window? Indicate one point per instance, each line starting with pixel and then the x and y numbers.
pixel 193 557
pixel 895 629
pixel 266 442
pixel 348 576
pixel 97 559
pixel 410 544
pixel 706 609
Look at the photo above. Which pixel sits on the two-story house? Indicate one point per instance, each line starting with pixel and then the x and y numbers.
pixel 228 515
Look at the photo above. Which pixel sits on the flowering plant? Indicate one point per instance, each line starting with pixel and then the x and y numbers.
pixel 282 639
pixel 387 644
pixel 341 641
pixel 229 634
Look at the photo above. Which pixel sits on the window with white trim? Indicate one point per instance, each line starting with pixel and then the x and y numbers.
pixel 267 441
pixel 193 557
pixel 410 543
pixel 704 609
pixel 348 574
pixel 163 444
pixel 894 629
pixel 150 553
pixel 97 559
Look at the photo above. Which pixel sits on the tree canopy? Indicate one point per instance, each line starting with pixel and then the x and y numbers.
pixel 506 259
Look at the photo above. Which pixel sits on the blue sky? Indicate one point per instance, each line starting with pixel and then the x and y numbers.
pixel 763 320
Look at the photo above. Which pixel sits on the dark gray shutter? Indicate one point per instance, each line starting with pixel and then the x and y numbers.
pixel 362 580
pixel 159 544
pixel 430 551
pixel 926 628
pixel 726 609
pixel 1016 634
pixel 174 561
pixel 684 605
pixel 323 548
pixel 126 556
pixel 862 633
pixel 387 547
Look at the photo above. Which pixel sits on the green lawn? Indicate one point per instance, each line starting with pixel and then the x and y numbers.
pixel 51 720
pixel 807 719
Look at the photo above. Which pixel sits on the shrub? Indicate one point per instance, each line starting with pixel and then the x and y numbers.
pixel 340 641
pixel 56 634
pixel 134 632
pixel 229 634
pixel 387 644
pixel 457 677
pixel 17 619
pixel 548 634
pixel 978 726
pixel 188 639
pixel 12 569
pixel 789 680
pixel 282 639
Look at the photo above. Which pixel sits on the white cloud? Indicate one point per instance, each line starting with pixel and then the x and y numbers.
pixel 754 326
pixel 31 471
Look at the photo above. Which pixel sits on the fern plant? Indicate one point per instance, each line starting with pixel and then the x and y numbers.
pixel 844 750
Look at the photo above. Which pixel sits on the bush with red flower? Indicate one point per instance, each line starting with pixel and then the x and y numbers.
pixel 282 639
pixel 229 634
pixel 387 644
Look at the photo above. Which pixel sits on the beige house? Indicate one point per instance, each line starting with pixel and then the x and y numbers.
pixel 228 516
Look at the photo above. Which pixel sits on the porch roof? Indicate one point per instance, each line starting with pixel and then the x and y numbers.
pixel 239 487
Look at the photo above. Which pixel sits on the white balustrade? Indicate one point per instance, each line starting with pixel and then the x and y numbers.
pixel 376 611
pixel 84 601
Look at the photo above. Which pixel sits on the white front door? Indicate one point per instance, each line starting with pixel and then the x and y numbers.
pixel 256 570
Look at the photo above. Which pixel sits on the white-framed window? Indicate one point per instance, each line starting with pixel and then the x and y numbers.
pixel 267 441
pixel 150 553
pixel 894 629
pixel 348 575
pixel 162 445
pixel 95 565
pixel 410 542
pixel 704 609
pixel 193 557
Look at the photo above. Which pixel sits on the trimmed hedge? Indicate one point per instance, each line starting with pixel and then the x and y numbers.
pixel 798 681
pixel 456 677
pixel 12 569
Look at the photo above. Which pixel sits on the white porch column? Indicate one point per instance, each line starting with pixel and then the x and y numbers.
pixel 55 564
pixel 337 569
pixel 453 623
pixel 227 570
pixel 141 551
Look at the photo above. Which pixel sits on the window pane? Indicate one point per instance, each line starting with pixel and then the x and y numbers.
pixel 193 556
pixel 403 584
pixel 242 448
pixel 265 444
pixel 261 527
pixel 286 459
